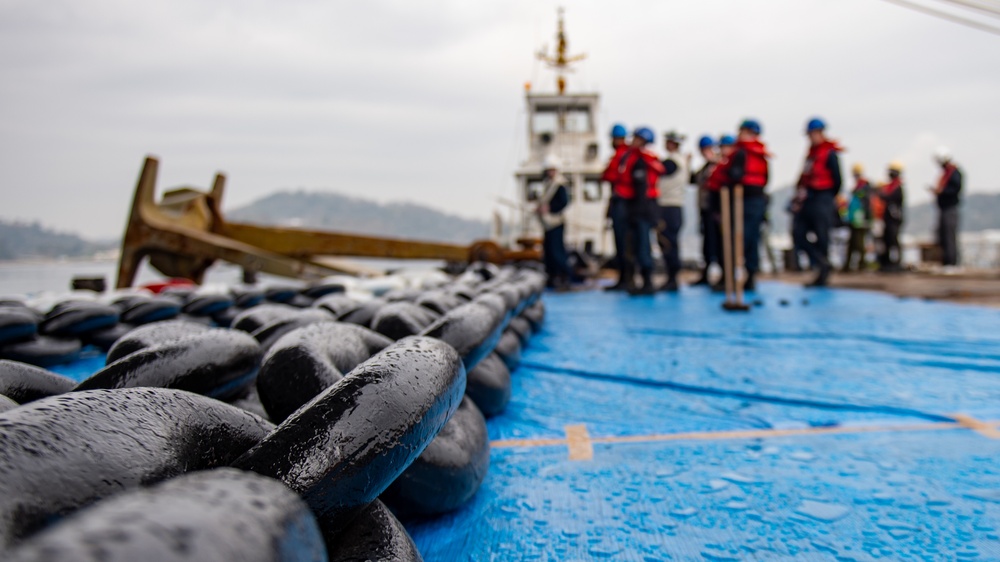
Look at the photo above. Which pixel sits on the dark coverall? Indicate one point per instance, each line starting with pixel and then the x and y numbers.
pixel 817 214
pixel 892 254
pixel 641 213
pixel 554 253
pixel 710 237
pixel 670 220
pixel 947 202
pixel 619 228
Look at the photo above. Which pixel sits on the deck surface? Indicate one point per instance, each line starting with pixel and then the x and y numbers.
pixel 823 425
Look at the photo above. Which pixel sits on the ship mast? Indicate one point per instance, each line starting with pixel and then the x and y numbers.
pixel 560 62
pixel 563 125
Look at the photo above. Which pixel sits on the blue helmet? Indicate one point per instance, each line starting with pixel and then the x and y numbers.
pixel 619 131
pixel 705 142
pixel 645 133
pixel 727 140
pixel 751 125
pixel 815 124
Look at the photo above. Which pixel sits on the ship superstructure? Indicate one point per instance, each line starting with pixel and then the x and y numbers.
pixel 564 125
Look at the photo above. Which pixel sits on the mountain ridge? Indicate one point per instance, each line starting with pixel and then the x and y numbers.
pixel 334 211
pixel 26 240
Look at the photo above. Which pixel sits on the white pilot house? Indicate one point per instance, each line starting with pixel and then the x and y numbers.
pixel 563 125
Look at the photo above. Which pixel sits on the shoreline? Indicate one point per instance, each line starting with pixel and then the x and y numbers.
pixel 62 260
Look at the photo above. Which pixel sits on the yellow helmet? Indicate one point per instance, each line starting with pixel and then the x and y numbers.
pixel 896 166
pixel 858 169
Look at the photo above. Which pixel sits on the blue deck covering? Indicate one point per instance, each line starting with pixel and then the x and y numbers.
pixel 840 425
pixel 843 425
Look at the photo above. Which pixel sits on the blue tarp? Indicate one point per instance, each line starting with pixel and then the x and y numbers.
pixel 90 361
pixel 824 424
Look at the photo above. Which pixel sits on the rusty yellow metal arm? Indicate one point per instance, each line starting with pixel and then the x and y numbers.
pixel 186 233
pixel 303 243
pixel 182 246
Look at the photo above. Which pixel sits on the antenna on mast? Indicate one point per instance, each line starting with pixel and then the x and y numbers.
pixel 560 62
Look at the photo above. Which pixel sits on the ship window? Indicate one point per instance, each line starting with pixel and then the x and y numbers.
pixel 591 190
pixel 533 190
pixel 577 120
pixel 561 119
pixel 544 121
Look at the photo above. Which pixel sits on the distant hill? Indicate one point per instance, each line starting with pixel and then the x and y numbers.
pixel 332 211
pixel 979 211
pixel 22 240
pixel 328 211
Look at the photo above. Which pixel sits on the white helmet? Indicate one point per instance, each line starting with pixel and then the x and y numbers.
pixel 942 155
pixel 552 162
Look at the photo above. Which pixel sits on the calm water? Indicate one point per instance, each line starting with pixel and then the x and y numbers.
pixel 32 278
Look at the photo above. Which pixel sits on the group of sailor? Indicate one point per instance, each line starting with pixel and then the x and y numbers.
pixel 740 160
pixel 648 196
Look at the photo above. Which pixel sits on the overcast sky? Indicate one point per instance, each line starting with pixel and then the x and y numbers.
pixel 423 101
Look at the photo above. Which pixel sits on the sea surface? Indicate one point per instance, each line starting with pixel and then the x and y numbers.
pixel 31 278
pixel 34 278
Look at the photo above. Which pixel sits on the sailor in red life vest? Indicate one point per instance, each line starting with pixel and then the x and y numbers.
pixel 714 184
pixel 947 191
pixel 817 189
pixel 616 209
pixel 891 194
pixel 720 173
pixel 641 169
pixel 748 167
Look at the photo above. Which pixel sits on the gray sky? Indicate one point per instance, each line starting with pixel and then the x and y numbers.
pixel 423 101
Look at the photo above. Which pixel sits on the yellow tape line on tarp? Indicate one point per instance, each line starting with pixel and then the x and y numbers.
pixel 580 443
